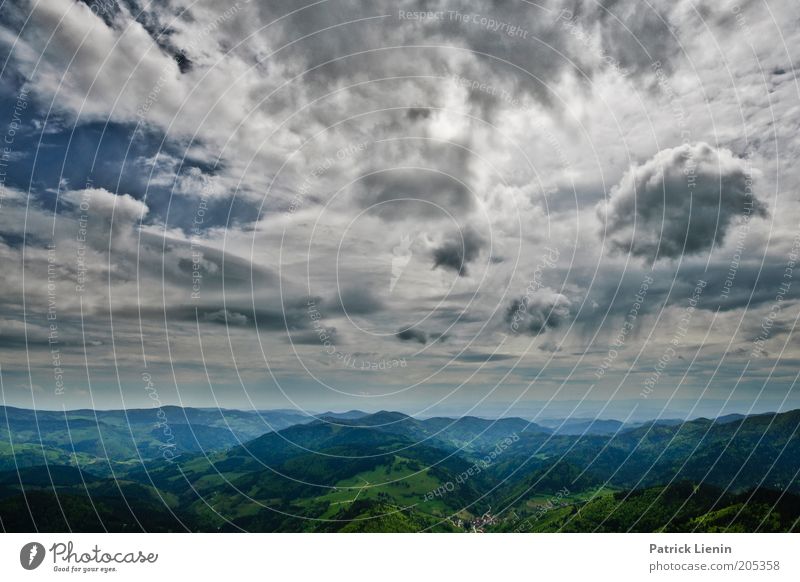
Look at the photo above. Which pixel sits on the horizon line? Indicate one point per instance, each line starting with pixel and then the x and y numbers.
pixel 318 415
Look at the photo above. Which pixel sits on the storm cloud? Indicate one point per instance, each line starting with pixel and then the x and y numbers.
pixel 534 314
pixel 457 251
pixel 412 334
pixel 681 202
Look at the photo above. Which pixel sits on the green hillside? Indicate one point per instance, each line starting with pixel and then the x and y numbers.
pixel 390 472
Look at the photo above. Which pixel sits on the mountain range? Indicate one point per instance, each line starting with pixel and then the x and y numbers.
pixel 190 469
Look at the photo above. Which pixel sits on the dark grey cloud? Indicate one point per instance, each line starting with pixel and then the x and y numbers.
pixel 359 301
pixel 417 113
pixel 460 249
pixel 227 317
pixel 681 202
pixel 535 314
pixel 412 335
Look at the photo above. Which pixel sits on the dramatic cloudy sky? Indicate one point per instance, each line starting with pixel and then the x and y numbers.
pixel 496 207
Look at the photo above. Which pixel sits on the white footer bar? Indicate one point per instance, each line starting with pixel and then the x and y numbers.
pixel 390 557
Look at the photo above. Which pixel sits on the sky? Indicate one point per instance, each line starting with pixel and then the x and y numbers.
pixel 546 209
